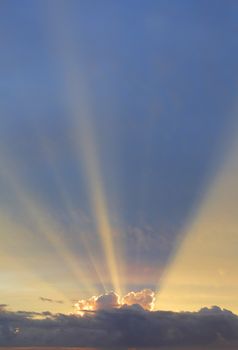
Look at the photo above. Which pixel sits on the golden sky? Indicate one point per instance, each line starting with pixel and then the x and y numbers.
pixel 203 271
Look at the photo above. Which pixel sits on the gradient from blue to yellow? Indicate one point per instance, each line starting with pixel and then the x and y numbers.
pixel 115 121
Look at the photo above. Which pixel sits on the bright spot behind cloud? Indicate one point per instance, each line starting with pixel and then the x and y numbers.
pixel 145 298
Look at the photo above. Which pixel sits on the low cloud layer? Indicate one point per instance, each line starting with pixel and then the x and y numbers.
pixel 144 298
pixel 127 326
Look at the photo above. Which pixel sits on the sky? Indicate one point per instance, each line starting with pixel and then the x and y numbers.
pixel 118 153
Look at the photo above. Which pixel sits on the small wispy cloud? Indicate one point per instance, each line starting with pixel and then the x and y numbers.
pixel 49 300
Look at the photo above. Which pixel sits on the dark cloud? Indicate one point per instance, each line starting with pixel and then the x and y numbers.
pixel 49 300
pixel 3 306
pixel 128 326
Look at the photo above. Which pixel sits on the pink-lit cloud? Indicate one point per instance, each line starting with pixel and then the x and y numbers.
pixel 145 298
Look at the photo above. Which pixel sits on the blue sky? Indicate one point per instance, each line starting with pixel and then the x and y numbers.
pixel 161 81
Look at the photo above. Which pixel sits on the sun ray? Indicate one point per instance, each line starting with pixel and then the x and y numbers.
pixel 74 220
pixel 43 224
pixel 83 136
pixel 204 270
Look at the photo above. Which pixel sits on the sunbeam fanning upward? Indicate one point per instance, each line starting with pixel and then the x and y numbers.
pixel 86 149
pixel 40 222
pixel 204 270
pixel 118 184
pixel 99 203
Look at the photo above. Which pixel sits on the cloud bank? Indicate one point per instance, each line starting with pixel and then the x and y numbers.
pixel 127 326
